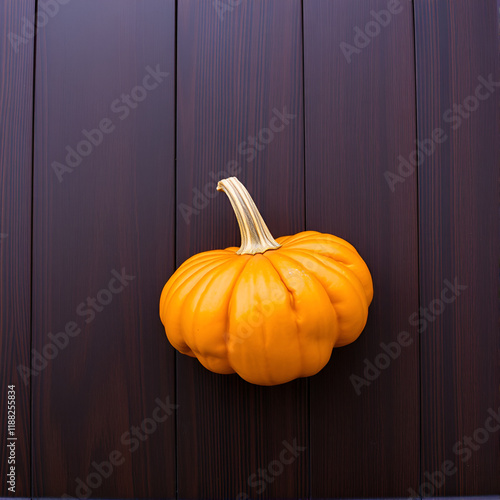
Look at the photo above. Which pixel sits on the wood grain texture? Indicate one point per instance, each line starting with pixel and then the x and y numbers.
pixel 456 45
pixel 237 70
pixel 16 110
pixel 126 206
pixel 112 212
pixel 360 115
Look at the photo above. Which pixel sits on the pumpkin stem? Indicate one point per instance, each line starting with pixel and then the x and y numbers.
pixel 255 236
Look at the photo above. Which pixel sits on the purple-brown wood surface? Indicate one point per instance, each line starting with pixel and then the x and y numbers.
pixel 16 125
pixel 103 228
pixel 320 108
pixel 458 91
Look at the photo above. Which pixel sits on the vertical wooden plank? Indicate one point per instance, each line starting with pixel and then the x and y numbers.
pixel 360 116
pixel 16 110
pixel 103 246
pixel 239 66
pixel 457 54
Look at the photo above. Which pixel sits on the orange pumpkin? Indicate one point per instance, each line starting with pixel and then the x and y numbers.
pixel 273 310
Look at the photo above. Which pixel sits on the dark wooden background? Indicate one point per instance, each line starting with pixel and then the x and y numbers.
pixel 232 65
